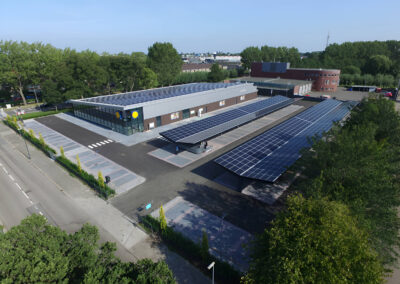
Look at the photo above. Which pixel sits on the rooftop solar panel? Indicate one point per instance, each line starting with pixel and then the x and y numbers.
pixel 268 155
pixel 204 129
pixel 137 97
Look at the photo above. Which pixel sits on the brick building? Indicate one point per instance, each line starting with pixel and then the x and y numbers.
pixel 323 80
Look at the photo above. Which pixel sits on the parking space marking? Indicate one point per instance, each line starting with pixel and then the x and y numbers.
pixel 101 143
pixel 11 177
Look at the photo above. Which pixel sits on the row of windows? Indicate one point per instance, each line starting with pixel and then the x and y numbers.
pixel 319 74
pixel 326 89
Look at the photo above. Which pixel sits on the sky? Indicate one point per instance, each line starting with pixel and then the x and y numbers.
pixel 197 26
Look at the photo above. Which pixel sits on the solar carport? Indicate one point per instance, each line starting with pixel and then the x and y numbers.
pixel 191 135
pixel 267 156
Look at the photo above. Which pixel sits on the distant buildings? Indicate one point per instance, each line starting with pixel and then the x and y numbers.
pixel 196 67
pixel 326 80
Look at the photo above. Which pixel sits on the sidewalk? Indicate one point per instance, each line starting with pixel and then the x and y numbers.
pixel 132 242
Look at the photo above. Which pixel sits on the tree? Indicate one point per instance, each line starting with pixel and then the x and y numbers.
pixel 165 61
pixel 78 162
pixel 249 55
pixel 17 67
pixel 36 252
pixel 163 220
pixel 313 241
pixel 216 74
pixel 100 179
pixel 204 246
pixel 377 64
pixel 357 165
pixel 351 69
pixel 62 151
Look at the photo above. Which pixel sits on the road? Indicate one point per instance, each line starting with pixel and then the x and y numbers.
pixel 25 190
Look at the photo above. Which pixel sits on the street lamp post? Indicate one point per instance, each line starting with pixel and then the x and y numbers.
pixel 20 132
pixel 212 264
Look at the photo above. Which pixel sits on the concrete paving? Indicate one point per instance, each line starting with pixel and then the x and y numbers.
pixel 226 241
pixel 185 158
pixel 122 179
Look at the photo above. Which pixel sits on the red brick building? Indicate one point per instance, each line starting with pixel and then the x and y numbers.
pixel 324 80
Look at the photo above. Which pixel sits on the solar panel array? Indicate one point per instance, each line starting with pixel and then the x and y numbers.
pixel 267 156
pixel 204 129
pixel 137 97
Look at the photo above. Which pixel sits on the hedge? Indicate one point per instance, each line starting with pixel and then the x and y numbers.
pixel 43 113
pixel 224 272
pixel 35 141
pixel 104 191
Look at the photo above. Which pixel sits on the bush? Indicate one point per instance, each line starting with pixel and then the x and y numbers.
pixel 224 273
pixel 43 113
pixel 104 192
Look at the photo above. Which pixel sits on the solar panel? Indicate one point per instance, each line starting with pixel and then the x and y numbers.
pixel 137 97
pixel 204 129
pixel 267 156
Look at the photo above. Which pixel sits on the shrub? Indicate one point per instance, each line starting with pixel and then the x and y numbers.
pixel 163 220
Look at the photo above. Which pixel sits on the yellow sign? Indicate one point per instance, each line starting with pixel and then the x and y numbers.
pixel 118 115
pixel 135 114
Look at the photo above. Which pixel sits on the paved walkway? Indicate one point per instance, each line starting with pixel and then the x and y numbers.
pixel 185 158
pixel 225 239
pixel 122 179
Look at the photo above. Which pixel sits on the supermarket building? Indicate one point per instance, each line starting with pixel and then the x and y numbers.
pixel 138 111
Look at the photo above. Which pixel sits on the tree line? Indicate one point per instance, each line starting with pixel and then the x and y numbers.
pixel 377 62
pixel 64 74
pixel 340 224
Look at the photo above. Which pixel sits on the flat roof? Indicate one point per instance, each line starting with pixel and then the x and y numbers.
pixel 137 97
pixel 273 81
pixel 314 69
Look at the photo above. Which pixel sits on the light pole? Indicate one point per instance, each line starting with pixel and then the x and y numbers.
pixel 212 264
pixel 20 132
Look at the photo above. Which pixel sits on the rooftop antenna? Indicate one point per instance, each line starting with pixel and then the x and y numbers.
pixel 327 41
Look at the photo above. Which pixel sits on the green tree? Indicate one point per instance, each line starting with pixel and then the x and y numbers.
pixel 100 179
pixel 163 220
pixel 357 166
pixel 165 61
pixel 36 252
pixel 78 162
pixel 351 69
pixel 313 241
pixel 378 64
pixel 204 246
pixel 216 74
pixel 249 55
pixel 62 151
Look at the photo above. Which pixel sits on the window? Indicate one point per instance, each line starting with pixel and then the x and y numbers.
pixel 192 112
pixel 242 98
pixel 175 115
pixel 222 103
pixel 326 82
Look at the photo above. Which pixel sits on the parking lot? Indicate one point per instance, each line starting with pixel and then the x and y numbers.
pixel 164 181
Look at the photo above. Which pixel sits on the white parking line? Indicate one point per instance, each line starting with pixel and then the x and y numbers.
pixel 94 145
pixel 18 186
pixel 26 195
pixel 98 144
pixel 90 147
pixel 110 140
pixel 11 177
pixel 5 170
pixel 102 143
pixel 106 141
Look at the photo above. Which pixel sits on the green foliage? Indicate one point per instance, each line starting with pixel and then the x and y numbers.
pixel 41 140
pixel 104 191
pixel 31 133
pixel 36 252
pixel 62 151
pixel 351 69
pixel 165 61
pixel 191 77
pixel 204 246
pixel 314 241
pixel 216 74
pixel 78 163
pixel 358 167
pixel 162 219
pixel 367 79
pixel 100 179
pixel 192 251
pixel 43 113
pixel 378 64
pixel 27 135
pixel 249 55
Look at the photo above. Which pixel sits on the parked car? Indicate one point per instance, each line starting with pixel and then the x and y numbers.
pixel 388 94
pixel 324 97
